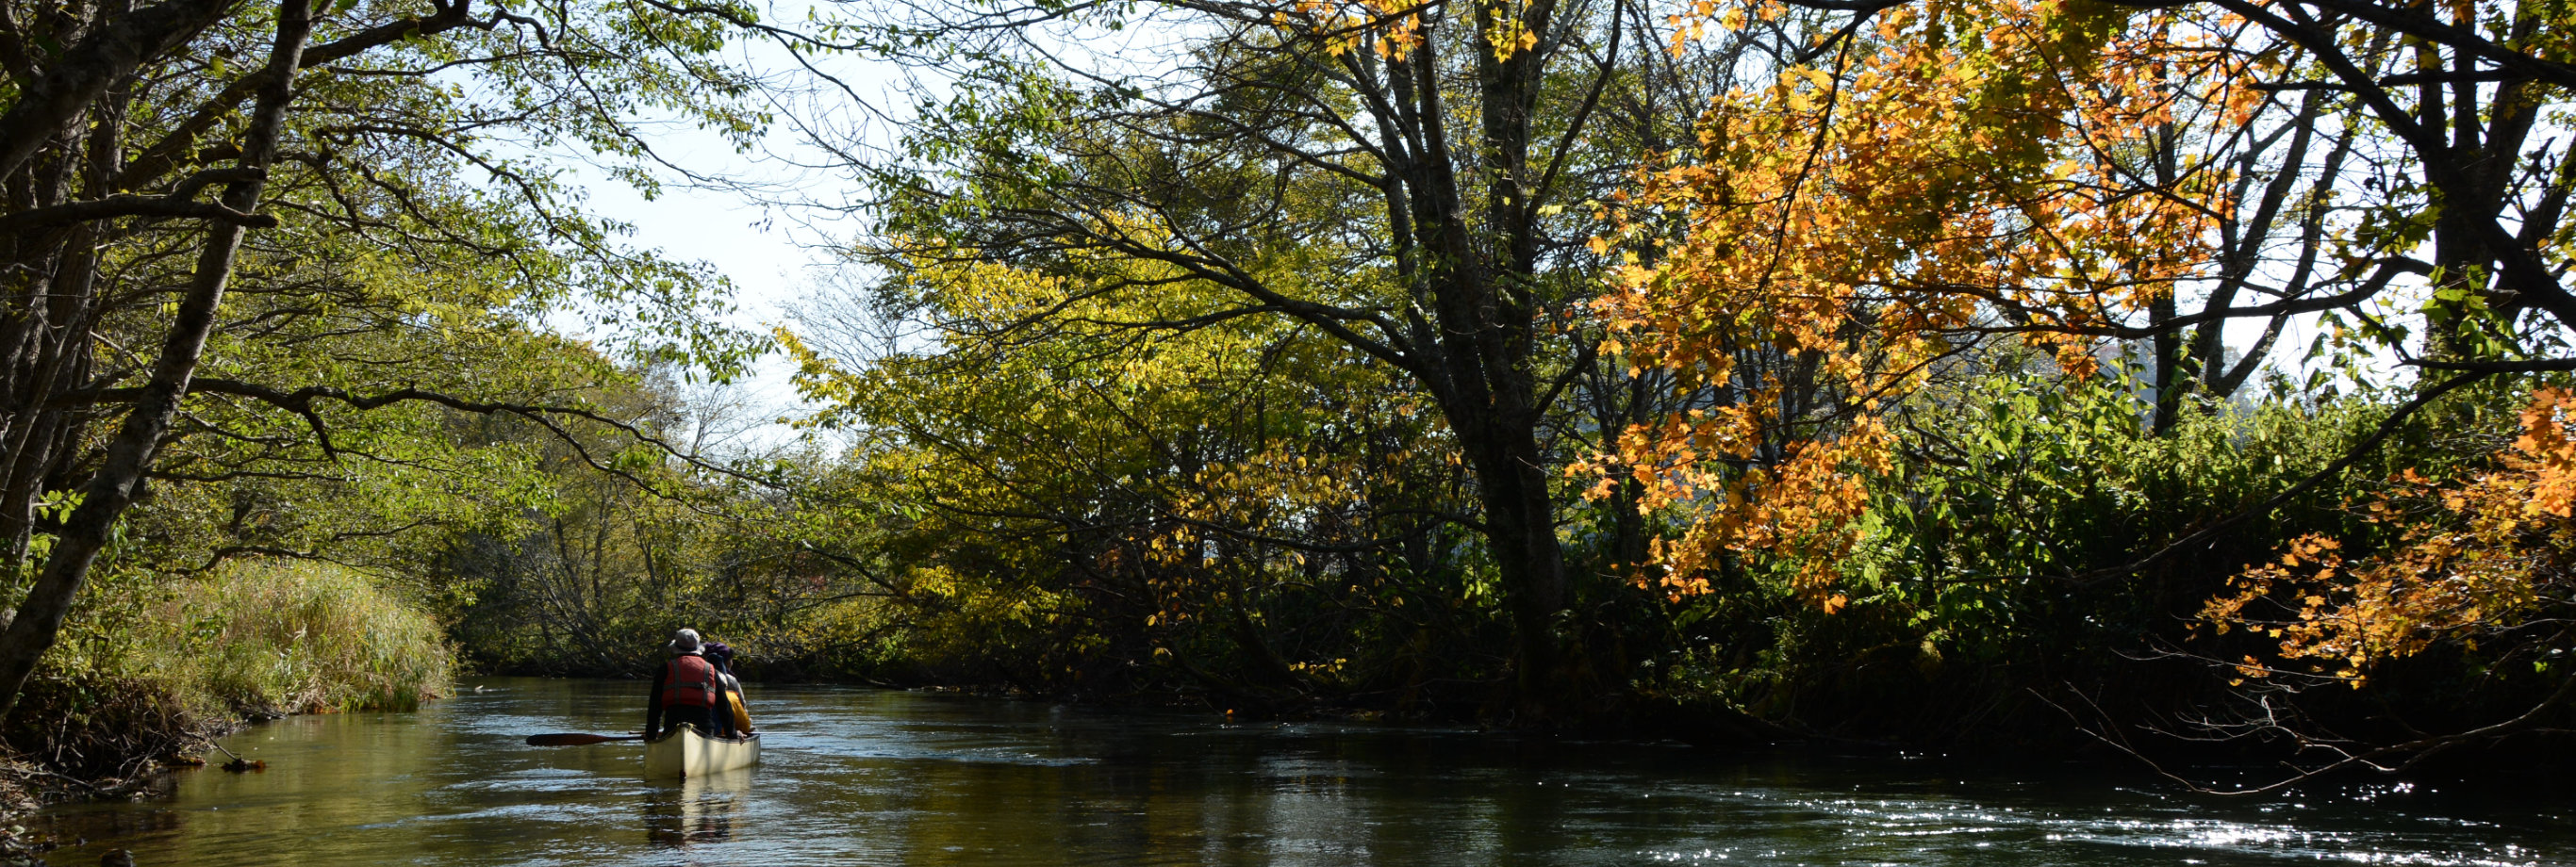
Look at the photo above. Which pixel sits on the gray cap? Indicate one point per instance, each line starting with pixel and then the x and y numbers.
pixel 685 641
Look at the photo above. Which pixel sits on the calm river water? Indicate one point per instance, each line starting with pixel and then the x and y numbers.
pixel 870 777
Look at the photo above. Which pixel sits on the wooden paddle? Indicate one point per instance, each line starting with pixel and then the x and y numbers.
pixel 577 740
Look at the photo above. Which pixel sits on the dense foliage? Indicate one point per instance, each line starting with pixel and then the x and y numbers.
pixel 278 282
pixel 1962 370
pixel 1928 371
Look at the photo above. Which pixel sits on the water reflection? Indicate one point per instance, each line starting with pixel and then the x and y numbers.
pixel 869 777
pixel 682 813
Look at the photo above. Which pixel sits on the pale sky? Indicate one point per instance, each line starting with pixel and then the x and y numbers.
pixel 770 258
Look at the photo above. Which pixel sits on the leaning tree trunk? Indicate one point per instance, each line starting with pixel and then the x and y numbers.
pixel 129 455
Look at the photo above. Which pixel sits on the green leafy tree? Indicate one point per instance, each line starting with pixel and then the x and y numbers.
pixel 1247 508
pixel 382 239
pixel 1409 181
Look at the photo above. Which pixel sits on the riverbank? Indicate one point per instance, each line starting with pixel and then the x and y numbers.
pixel 152 673
pixel 27 788
pixel 138 732
pixel 145 736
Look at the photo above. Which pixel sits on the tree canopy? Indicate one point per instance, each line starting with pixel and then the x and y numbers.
pixel 1926 370
pixel 384 237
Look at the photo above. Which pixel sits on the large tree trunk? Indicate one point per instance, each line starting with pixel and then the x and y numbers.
pixel 129 455
pixel 1520 521
pixel 1481 364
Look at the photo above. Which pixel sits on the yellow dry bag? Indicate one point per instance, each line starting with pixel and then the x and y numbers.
pixel 741 717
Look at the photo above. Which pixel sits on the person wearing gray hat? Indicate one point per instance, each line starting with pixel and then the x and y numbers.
pixel 687 689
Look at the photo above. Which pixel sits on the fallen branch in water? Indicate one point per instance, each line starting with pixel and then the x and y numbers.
pixel 238 764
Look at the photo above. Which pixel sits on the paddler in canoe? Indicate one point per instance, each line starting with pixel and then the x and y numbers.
pixel 716 652
pixel 693 723
pixel 694 720
pixel 697 686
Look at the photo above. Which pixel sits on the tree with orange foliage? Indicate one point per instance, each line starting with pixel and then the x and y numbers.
pixel 2482 560
pixel 1935 182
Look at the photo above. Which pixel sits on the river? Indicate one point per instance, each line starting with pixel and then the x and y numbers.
pixel 875 777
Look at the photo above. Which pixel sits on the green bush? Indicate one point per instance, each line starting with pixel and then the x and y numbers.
pixel 2004 560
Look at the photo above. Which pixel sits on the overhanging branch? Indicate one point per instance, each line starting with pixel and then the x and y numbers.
pixel 303 401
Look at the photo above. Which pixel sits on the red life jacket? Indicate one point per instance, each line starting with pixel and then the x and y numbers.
pixel 690 680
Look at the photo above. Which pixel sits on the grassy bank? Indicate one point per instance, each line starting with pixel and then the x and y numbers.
pixel 155 668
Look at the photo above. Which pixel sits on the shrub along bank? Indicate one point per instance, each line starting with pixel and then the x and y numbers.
pixel 153 669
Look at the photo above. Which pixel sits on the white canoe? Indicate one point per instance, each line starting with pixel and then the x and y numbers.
pixel 683 752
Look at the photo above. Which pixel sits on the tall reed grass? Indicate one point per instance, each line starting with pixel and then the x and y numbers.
pixel 281 637
pixel 152 668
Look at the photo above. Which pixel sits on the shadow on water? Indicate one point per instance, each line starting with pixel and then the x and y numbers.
pixel 872 777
